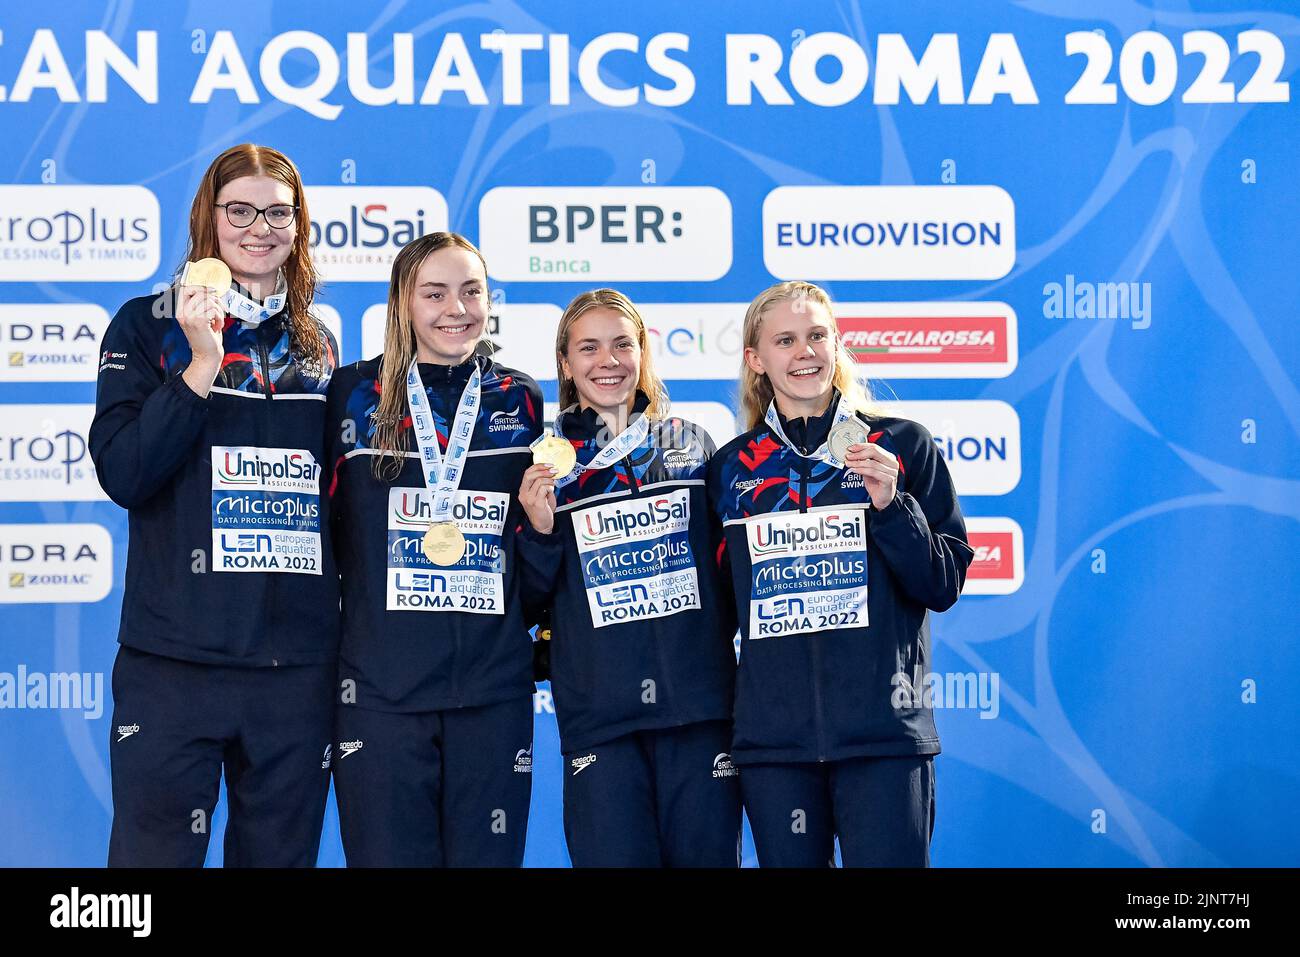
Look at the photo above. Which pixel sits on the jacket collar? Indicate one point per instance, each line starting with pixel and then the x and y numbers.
pixel 581 424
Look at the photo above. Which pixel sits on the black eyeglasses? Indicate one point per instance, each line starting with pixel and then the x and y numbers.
pixel 241 215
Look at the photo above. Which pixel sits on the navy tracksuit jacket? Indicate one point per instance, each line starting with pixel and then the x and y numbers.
pixel 642 657
pixel 433 752
pixel 229 615
pixel 828 674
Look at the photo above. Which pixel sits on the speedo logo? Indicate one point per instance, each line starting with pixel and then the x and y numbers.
pixel 349 747
pixel 524 760
pixel 126 730
pixel 582 763
pixel 600 526
pixel 723 768
pixel 746 485
pixel 506 420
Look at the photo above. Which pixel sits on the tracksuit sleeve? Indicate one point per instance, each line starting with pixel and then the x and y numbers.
pixel 145 426
pixel 921 534
pixel 540 559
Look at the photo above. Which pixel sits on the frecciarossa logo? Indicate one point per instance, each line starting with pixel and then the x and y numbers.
pixel 771 537
pixel 601 527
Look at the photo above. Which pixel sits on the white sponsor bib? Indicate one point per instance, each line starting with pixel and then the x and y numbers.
pixel 636 557
pixel 809 571
pixel 265 510
pixel 475 582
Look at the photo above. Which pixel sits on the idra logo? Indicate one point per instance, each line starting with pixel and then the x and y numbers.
pixel 44 456
pixel 55 563
pixel 78 233
pixel 356 231
pixel 52 343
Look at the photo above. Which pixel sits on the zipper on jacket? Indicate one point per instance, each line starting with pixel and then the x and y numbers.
pixel 266 365
pixel 803 484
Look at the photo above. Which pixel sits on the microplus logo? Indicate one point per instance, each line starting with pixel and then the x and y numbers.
pixel 43 454
pixel 78 233
pixel 74 909
pixel 58 690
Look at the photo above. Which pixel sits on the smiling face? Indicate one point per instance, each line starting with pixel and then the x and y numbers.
pixel 448 306
pixel 256 252
pixel 796 350
pixel 603 358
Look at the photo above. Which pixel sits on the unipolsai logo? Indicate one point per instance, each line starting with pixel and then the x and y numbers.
pixel 356 231
pixel 51 343
pixel 78 233
pixel 44 456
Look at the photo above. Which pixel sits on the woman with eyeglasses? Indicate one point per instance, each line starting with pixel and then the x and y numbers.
pixel 209 429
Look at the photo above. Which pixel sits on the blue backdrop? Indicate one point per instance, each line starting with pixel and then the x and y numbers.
pixel 1117 686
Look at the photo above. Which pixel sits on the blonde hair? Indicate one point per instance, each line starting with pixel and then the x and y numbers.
pixel 756 389
pixel 400 348
pixel 647 381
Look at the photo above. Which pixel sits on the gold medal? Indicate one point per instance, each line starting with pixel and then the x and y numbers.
pixel 849 432
pixel 550 449
pixel 212 273
pixel 443 543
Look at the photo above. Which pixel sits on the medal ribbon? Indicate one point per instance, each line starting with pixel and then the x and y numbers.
pixel 250 311
pixel 442 480
pixel 627 440
pixel 842 413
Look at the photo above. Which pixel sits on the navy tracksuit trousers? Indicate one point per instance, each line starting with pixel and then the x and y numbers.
pixel 177 725
pixel 665 798
pixel 432 789
pixel 881 809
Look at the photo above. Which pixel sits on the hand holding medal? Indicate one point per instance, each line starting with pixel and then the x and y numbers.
pixel 553 458
pixel 878 468
pixel 199 309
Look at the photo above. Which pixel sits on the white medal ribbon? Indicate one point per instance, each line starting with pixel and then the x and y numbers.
pixel 823 452
pixel 442 476
pixel 623 443
pixel 250 311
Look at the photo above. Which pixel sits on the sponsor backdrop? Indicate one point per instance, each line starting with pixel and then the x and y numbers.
pixel 1064 241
